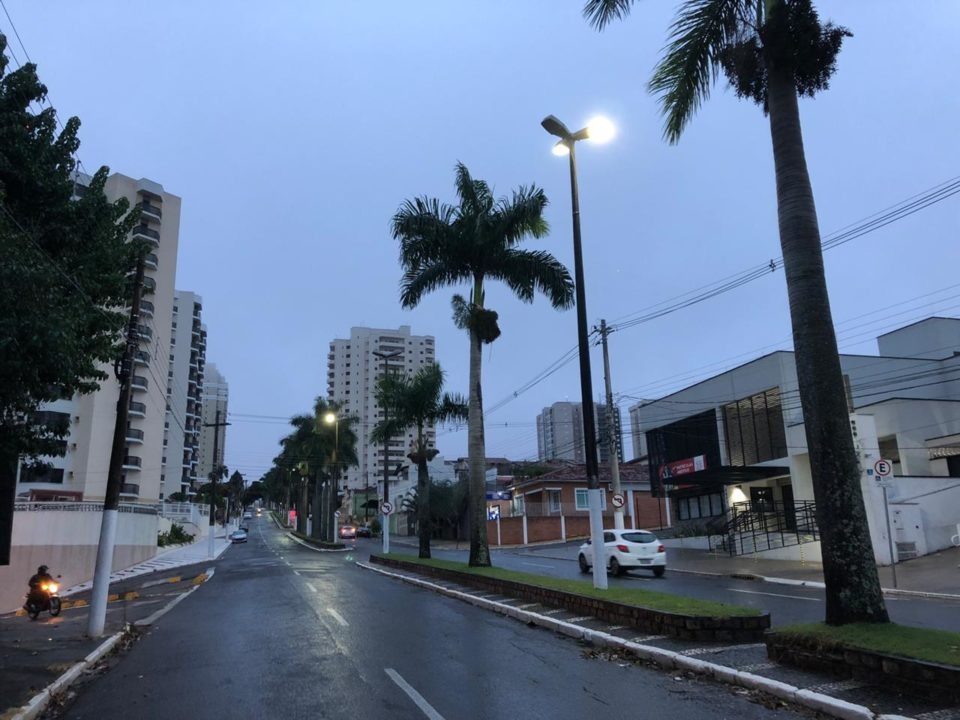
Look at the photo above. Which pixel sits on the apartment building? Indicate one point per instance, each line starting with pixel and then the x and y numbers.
pixel 353 368
pixel 188 351
pixel 560 432
pixel 81 473
pixel 214 398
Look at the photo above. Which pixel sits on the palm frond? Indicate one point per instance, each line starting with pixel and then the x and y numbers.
pixel 419 280
pixel 423 227
pixel 452 407
pixel 698 36
pixel 527 271
pixel 601 13
pixel 521 216
pixel 476 198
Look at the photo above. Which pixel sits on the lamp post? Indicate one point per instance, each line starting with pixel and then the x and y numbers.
pixel 331 418
pixel 598 130
pixel 385 519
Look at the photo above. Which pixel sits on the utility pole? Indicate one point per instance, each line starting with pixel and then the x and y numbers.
pixel 613 432
pixel 214 476
pixel 385 519
pixel 111 501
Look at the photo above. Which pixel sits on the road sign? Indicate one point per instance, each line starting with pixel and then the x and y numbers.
pixel 618 501
pixel 336 514
pixel 883 468
pixel 386 508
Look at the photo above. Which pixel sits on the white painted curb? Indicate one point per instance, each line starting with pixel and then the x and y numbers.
pixel 667 658
pixel 316 549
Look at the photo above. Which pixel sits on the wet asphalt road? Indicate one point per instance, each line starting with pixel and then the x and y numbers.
pixel 283 631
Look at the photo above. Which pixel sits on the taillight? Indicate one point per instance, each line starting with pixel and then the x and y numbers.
pixel 661 548
pixel 623 548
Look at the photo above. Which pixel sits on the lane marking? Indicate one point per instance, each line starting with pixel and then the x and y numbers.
pixel 552 612
pixel 312 588
pixel 417 698
pixel 296 572
pixel 338 617
pixel 580 619
pixel 526 605
pixel 709 650
pixel 757 592
pixel 523 562
pixel 646 638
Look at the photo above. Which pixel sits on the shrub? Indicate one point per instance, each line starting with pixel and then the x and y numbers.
pixel 176 535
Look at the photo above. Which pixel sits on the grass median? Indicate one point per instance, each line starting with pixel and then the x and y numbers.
pixel 318 543
pixel 649 599
pixel 938 646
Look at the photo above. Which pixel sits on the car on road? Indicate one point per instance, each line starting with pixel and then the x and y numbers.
pixel 248 515
pixel 238 536
pixel 348 532
pixel 364 531
pixel 627 550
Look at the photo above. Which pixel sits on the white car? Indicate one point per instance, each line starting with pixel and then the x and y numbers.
pixel 627 550
pixel 248 515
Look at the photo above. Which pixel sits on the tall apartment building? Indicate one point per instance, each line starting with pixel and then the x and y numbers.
pixel 353 369
pixel 560 432
pixel 82 472
pixel 215 397
pixel 188 351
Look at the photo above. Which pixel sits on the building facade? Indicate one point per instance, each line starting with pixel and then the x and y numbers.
pixel 182 429
pixel 560 432
pixel 214 403
pixel 354 366
pixel 81 473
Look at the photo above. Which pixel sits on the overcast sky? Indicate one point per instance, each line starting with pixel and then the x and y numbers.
pixel 293 130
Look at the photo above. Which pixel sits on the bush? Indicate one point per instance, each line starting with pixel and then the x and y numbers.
pixel 375 526
pixel 176 535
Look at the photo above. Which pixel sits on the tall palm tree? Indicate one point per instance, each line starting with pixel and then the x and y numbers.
pixel 418 402
pixel 772 52
pixel 474 241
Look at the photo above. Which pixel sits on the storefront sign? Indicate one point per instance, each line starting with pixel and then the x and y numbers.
pixel 683 467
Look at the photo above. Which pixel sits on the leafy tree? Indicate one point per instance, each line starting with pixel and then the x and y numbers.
pixel 772 52
pixel 234 491
pixel 417 402
pixel 474 241
pixel 63 285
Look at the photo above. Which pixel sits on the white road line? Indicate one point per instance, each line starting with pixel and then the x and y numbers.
pixel 526 605
pixel 312 588
pixel 417 698
pixel 522 562
pixel 757 592
pixel 615 627
pixel 646 638
pixel 708 650
pixel 552 612
pixel 338 617
pixel 580 619
pixel 296 572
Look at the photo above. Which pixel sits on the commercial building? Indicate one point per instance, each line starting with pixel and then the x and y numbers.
pixel 560 432
pixel 182 429
pixel 354 366
pixel 214 401
pixel 730 453
pixel 81 473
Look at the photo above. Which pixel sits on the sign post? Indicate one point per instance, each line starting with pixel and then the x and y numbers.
pixel 385 509
pixel 618 501
pixel 883 469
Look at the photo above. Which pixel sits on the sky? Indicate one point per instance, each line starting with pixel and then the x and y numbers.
pixel 292 131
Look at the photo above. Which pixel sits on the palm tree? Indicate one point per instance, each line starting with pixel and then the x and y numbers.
pixel 444 245
pixel 772 52
pixel 234 491
pixel 418 402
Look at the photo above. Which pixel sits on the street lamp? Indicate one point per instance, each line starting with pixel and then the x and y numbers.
pixel 331 418
pixel 385 519
pixel 598 130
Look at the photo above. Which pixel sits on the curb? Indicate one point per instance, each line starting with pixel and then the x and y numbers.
pixel 667 658
pixel 316 549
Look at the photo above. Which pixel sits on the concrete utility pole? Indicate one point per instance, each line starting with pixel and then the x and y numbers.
pixel 214 476
pixel 111 501
pixel 613 432
pixel 385 519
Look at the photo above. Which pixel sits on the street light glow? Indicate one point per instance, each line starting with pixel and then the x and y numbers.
pixel 600 129
pixel 561 149
pixel 330 418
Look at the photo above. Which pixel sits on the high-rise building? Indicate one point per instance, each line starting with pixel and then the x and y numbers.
pixel 353 368
pixel 560 432
pixel 216 395
pixel 188 351
pixel 81 473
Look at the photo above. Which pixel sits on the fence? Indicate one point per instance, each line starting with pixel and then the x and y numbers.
pixel 82 506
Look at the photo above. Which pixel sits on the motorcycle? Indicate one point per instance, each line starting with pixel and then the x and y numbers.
pixel 43 598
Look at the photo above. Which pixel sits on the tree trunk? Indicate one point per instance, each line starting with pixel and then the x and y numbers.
pixel 332 506
pixel 849 569
pixel 302 506
pixel 424 526
pixel 477 454
pixel 8 491
pixel 315 530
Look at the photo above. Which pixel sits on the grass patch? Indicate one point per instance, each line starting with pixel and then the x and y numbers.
pixel 939 646
pixel 650 599
pixel 319 543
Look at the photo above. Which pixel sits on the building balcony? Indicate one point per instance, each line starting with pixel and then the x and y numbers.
pixel 139 382
pixel 151 261
pixel 138 409
pixel 146 308
pixel 146 234
pixel 144 333
pixel 150 211
pixel 135 436
pixel 142 358
pixel 129 489
pixel 149 285
pixel 132 462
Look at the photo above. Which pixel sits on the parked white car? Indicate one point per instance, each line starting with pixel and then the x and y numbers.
pixel 627 550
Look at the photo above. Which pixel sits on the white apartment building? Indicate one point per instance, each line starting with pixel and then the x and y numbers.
pixel 560 432
pixel 353 368
pixel 188 351
pixel 215 396
pixel 82 472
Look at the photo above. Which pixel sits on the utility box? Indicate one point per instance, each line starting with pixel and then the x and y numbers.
pixel 906 524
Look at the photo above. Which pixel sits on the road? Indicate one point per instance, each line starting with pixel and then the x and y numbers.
pixel 285 631
pixel 786 604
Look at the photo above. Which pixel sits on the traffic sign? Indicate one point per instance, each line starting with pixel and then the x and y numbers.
pixel 618 501
pixel 386 507
pixel 883 468
pixel 336 514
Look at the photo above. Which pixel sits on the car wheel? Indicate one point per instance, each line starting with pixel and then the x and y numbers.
pixel 659 571
pixel 615 568
pixel 54 606
pixel 584 568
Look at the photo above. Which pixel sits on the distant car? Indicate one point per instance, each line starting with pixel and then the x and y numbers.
pixel 364 531
pixel 248 515
pixel 348 532
pixel 259 512
pixel 627 550
pixel 238 536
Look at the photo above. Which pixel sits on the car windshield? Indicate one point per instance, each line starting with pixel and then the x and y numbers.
pixel 639 537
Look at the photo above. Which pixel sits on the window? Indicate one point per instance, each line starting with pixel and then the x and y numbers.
pixel 754 429
pixel 700 506
pixel 553 500
pixel 639 537
pixel 582 499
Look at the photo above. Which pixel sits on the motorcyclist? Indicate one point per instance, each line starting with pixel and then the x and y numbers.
pixel 37 582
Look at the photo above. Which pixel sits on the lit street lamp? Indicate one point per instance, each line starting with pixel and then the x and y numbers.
pixel 597 130
pixel 331 418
